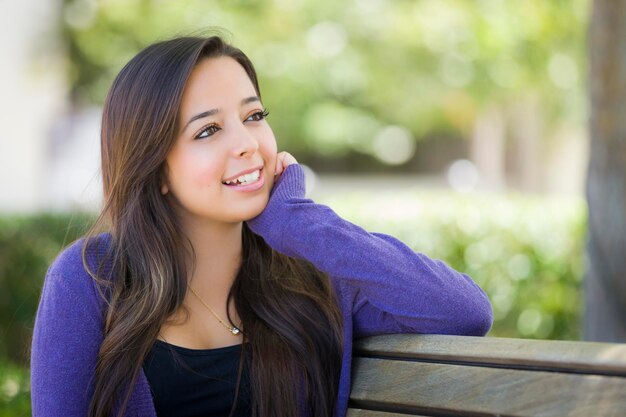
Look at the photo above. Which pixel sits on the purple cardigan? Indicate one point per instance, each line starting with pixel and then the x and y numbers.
pixel 382 287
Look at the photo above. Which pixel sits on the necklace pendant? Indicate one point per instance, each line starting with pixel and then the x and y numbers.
pixel 234 331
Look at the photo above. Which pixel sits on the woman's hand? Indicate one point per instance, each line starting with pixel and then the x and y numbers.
pixel 283 160
pixel 265 224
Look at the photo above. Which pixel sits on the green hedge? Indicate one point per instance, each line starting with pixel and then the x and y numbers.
pixel 526 252
pixel 14 390
pixel 27 246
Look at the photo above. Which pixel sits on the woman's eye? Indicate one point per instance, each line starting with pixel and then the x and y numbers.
pixel 258 116
pixel 207 131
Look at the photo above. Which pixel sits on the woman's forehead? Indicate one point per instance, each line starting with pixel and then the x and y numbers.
pixel 216 82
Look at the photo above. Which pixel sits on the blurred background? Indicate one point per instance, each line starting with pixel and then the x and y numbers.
pixel 461 127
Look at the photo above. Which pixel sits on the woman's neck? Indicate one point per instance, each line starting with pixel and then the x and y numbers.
pixel 218 250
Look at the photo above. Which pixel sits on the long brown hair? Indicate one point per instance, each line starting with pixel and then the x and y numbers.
pixel 292 322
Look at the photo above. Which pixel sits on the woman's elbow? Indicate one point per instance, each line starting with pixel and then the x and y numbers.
pixel 478 319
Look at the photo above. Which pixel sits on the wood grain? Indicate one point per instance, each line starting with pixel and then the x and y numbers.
pixel 565 356
pixel 448 389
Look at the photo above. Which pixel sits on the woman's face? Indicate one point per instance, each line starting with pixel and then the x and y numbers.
pixel 223 133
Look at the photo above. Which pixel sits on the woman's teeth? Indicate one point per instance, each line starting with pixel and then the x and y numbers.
pixel 245 179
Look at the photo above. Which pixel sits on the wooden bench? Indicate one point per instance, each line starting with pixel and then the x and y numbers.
pixel 430 375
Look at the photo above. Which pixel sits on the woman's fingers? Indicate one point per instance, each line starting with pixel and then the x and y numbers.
pixel 283 160
pixel 279 164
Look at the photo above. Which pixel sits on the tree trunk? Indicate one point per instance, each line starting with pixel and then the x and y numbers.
pixel 605 284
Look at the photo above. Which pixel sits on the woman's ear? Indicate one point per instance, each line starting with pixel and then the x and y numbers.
pixel 164 189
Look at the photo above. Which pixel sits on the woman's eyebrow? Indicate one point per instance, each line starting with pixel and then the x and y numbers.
pixel 211 112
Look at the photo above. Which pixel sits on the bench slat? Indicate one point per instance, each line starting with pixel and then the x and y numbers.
pixel 581 357
pixel 447 389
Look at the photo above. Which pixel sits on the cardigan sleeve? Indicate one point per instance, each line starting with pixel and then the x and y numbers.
pixel 394 289
pixel 66 339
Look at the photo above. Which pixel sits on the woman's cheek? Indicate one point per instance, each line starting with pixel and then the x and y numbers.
pixel 205 174
pixel 269 152
pixel 268 142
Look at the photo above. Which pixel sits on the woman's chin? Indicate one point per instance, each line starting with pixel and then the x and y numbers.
pixel 253 214
pixel 253 210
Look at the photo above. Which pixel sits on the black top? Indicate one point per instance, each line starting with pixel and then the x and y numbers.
pixel 196 382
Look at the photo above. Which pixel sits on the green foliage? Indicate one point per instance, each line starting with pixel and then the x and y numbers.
pixel 525 252
pixel 335 73
pixel 14 391
pixel 28 244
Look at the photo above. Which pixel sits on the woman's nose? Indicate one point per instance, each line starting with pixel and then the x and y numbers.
pixel 244 141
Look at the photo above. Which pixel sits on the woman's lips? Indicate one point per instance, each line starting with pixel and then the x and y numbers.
pixel 254 186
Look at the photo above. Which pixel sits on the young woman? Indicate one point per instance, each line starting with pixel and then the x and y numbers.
pixel 212 285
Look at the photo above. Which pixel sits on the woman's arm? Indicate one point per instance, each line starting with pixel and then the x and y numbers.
pixel 395 288
pixel 66 339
